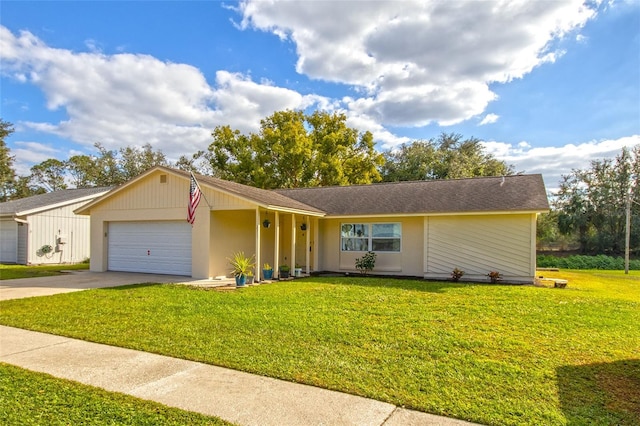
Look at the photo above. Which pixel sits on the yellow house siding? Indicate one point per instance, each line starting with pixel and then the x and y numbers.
pixel 231 231
pixel 479 244
pixel 408 261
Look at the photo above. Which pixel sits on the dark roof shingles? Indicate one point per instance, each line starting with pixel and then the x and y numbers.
pixel 258 195
pixel 48 199
pixel 517 193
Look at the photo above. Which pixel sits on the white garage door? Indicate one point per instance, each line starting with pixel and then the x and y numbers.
pixel 8 241
pixel 151 247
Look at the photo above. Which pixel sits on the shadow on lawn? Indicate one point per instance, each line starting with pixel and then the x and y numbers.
pixel 404 283
pixel 130 286
pixel 606 393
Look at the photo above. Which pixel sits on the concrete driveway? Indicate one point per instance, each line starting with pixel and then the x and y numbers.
pixel 79 280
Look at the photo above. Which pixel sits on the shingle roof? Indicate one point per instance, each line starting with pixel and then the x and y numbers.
pixel 260 196
pixel 42 201
pixel 491 194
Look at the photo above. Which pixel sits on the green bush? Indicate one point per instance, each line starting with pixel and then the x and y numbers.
pixel 600 261
pixel 366 263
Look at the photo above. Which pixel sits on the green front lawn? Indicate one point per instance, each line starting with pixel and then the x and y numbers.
pixel 10 272
pixel 494 354
pixel 28 398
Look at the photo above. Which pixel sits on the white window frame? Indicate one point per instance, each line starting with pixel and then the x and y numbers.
pixel 368 236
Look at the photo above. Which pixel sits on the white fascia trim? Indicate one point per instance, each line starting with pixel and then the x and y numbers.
pixel 479 213
pixel 294 211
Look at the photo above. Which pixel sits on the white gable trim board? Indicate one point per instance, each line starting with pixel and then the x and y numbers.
pixel 158 247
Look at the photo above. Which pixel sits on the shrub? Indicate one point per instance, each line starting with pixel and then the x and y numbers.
pixel 366 263
pixel 600 261
pixel 494 277
pixel 456 274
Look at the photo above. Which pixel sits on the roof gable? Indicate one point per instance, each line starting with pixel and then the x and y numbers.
pixel 261 197
pixel 474 195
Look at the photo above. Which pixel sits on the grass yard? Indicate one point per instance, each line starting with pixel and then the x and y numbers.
pixel 10 272
pixel 28 398
pixel 494 354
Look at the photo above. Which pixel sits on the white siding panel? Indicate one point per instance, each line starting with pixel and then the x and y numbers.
pixel 23 243
pixel 160 247
pixel 8 240
pixel 479 244
pixel 47 227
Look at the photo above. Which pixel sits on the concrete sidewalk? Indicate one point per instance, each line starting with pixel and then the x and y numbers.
pixel 238 397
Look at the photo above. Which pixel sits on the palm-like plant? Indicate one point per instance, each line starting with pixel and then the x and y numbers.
pixel 241 264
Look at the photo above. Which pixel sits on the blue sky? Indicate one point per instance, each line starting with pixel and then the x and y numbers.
pixel 548 86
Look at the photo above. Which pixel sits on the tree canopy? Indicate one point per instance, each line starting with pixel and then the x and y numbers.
pixel 447 157
pixel 591 203
pixel 7 174
pixel 293 150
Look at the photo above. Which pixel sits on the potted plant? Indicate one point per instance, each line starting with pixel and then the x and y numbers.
pixel 241 265
pixel 284 271
pixel 297 271
pixel 267 271
pixel 250 277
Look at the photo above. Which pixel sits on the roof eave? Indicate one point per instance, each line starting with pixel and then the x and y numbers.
pixel 424 214
pixel 60 204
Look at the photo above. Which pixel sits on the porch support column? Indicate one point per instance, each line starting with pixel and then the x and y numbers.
pixel 316 234
pixel 256 273
pixel 293 242
pixel 307 245
pixel 276 248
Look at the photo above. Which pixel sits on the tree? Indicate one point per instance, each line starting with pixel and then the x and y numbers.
pixel 294 150
pixel 50 174
pixel 591 203
pixel 447 157
pixel 135 161
pixel 111 168
pixel 7 173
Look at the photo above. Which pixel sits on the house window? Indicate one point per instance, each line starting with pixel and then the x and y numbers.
pixel 163 178
pixel 382 237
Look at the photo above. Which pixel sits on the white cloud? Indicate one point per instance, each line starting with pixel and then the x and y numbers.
pixel 419 61
pixel 489 119
pixel 28 153
pixel 553 162
pixel 131 99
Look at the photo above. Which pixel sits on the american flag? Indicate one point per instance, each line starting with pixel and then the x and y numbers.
pixel 194 200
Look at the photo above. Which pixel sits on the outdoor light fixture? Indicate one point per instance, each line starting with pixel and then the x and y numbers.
pixel 303 227
pixel 266 223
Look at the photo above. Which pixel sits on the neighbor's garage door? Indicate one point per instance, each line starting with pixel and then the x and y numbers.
pixel 151 247
pixel 8 241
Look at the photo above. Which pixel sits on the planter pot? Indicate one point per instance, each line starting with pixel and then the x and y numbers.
pixel 250 280
pixel 241 281
pixel 267 274
pixel 297 272
pixel 284 274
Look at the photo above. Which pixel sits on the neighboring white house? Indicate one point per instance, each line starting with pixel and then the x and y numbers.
pixel 423 229
pixel 44 229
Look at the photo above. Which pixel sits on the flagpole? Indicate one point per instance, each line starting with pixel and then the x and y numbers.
pixel 201 191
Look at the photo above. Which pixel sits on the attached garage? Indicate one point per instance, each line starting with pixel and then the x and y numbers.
pixel 158 247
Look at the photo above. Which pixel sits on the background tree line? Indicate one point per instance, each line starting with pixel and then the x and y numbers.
pixel 589 209
pixel 293 149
